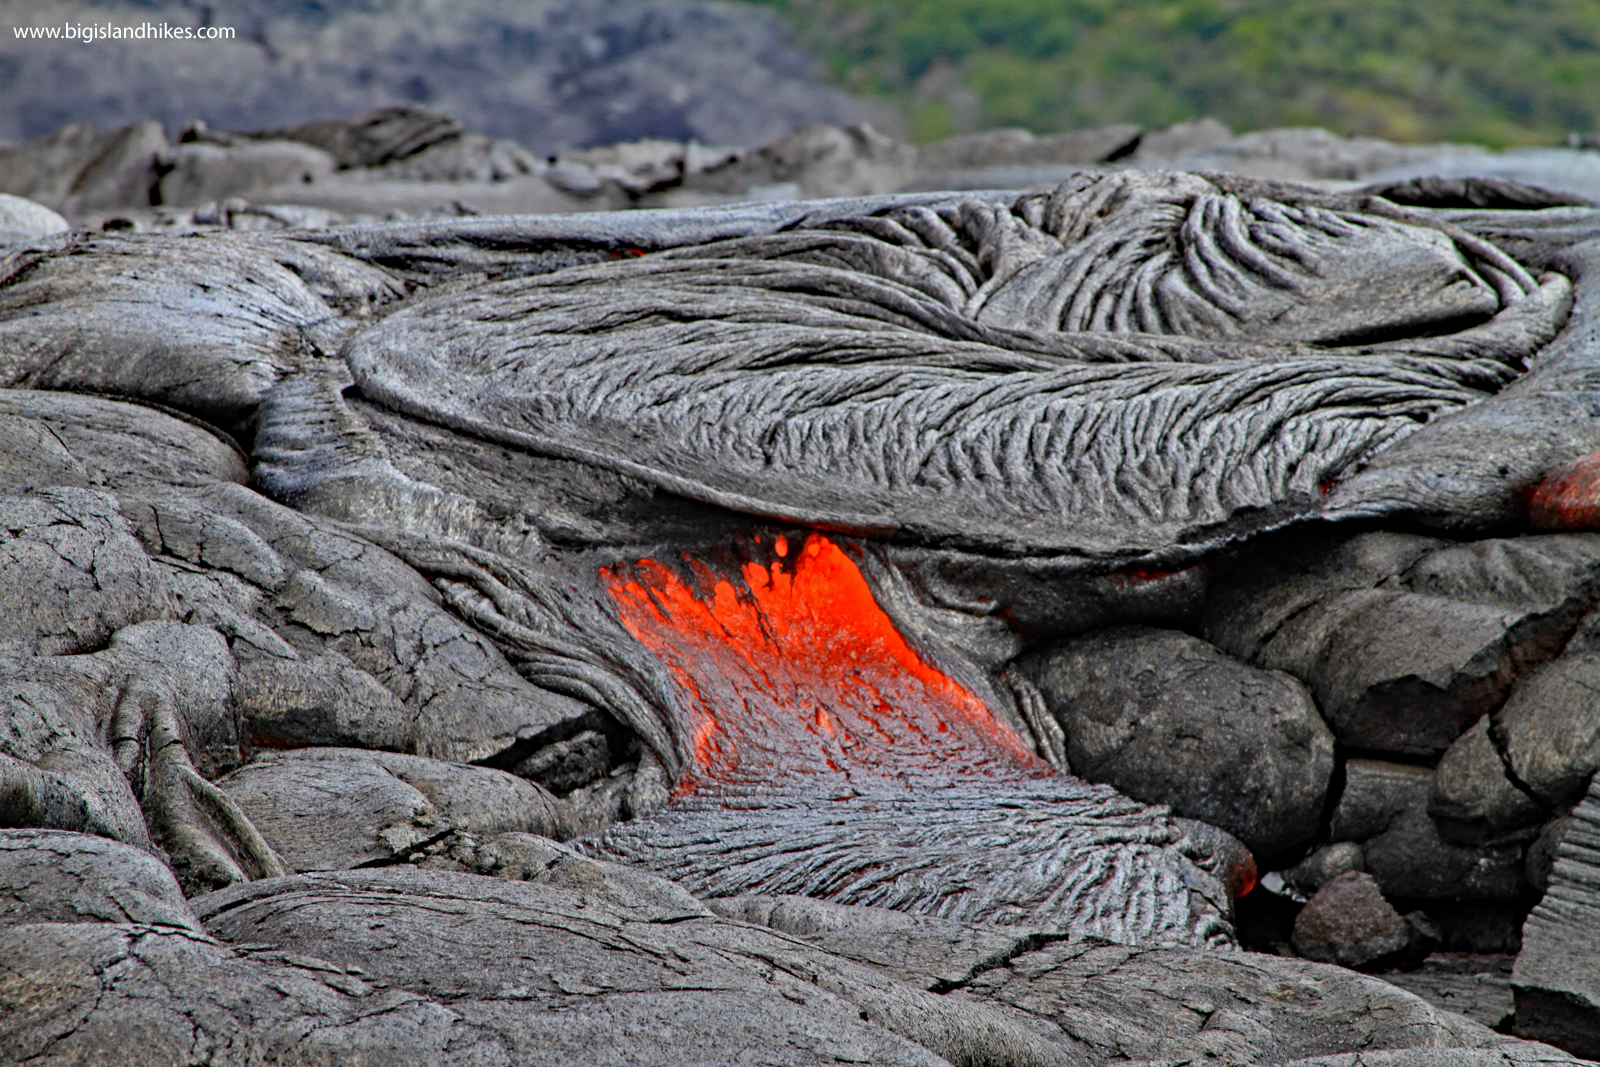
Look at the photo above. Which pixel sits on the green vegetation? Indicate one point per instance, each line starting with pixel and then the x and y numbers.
pixel 1496 71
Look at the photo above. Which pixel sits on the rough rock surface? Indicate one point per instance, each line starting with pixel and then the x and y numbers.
pixel 1168 719
pixel 1062 855
pixel 1297 153
pixel 633 954
pixel 1324 865
pixel 1164 1006
pixel 327 809
pixel 52 876
pixel 1122 1003
pixel 1348 922
pixel 396 465
pixel 1406 641
pixel 23 220
pixel 204 172
pixel 1557 975
pixel 1549 729
pixel 965 314
pixel 1478 987
pixel 1475 800
pixel 1384 807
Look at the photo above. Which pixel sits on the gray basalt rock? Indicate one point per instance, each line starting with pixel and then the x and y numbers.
pixel 1144 1004
pixel 50 876
pixel 74 573
pixel 44 168
pixel 562 966
pixel 1474 798
pixel 1504 1055
pixel 24 220
pixel 1164 1006
pixel 97 670
pixel 566 765
pixel 930 283
pixel 1324 865
pixel 1011 414
pixel 375 137
pixel 1542 853
pixel 340 641
pixel 368 963
pixel 1058 854
pixel 1549 728
pixel 81 171
pixel 1478 987
pixel 1384 807
pixel 1168 719
pixel 1405 642
pixel 115 992
pixel 923 950
pixel 1348 922
pixel 1012 147
pixel 406 143
pixel 204 172
pixel 817 160
pixel 325 809
pixel 1297 153
pixel 205 326
pixel 470 157
pixel 1557 975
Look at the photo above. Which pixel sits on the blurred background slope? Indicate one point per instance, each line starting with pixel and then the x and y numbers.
pixel 1498 72
pixel 563 74
pixel 551 74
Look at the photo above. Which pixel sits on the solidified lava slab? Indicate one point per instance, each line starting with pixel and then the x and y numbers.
pixel 792 670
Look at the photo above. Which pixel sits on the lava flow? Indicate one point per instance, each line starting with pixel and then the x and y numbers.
pixel 1569 497
pixel 801 673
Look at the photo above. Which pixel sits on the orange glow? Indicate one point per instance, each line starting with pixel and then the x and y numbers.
pixel 1569 497
pixel 1243 877
pixel 790 668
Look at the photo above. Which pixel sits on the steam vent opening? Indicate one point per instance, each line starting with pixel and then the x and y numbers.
pixel 792 672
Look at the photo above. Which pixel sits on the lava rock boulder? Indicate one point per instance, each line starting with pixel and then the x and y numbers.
pixel 1349 923
pixel 1169 719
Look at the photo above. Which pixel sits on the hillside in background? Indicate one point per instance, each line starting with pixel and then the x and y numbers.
pixel 557 75
pixel 1500 72
pixel 551 74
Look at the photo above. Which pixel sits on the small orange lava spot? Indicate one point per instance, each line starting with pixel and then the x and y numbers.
pixel 787 673
pixel 1138 577
pixel 780 546
pixel 1244 879
pixel 1569 497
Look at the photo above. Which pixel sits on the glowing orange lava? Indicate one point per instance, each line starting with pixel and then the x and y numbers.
pixel 796 671
pixel 1569 497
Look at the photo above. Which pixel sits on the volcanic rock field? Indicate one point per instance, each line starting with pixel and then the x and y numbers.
pixel 1126 616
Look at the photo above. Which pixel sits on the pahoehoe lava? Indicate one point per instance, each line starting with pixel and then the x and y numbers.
pixel 738 544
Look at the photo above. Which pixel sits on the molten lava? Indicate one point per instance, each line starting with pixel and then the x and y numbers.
pixel 1569 497
pixel 791 669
